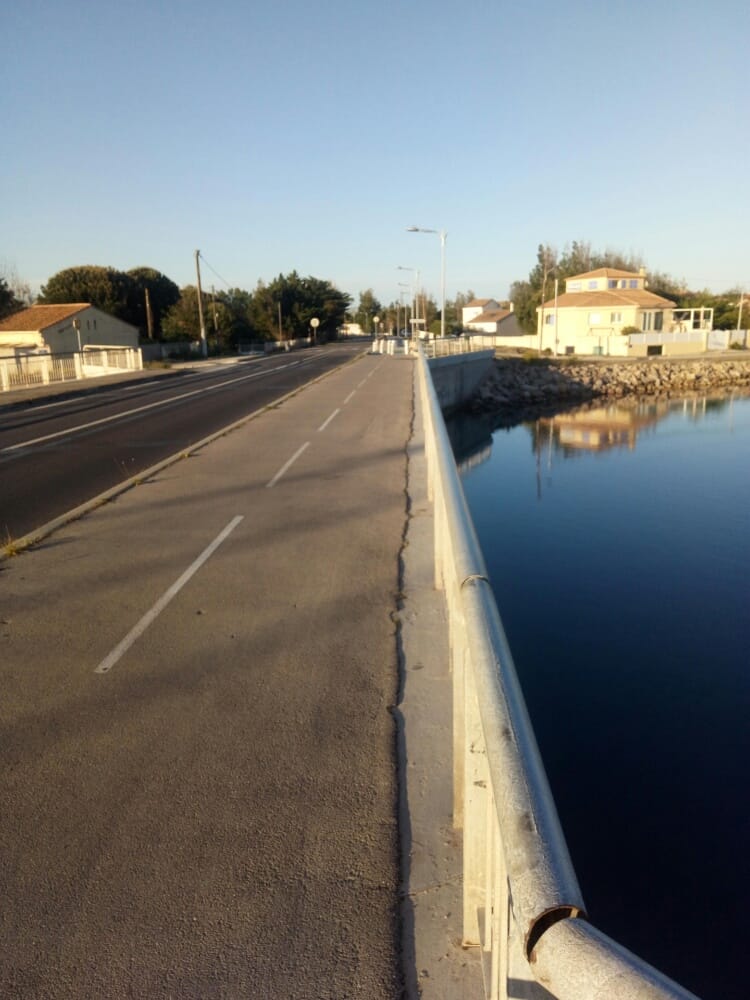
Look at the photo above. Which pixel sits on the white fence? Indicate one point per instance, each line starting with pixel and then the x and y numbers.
pixel 522 906
pixel 26 370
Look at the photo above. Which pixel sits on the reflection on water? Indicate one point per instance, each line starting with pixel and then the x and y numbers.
pixel 626 601
pixel 598 428
pixel 590 427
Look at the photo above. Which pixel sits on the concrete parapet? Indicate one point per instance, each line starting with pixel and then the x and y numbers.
pixel 457 377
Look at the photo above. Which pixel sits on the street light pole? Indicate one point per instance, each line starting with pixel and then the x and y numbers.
pixel 414 299
pixel 442 234
pixel 407 324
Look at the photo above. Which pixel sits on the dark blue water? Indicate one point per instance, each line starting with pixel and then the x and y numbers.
pixel 618 544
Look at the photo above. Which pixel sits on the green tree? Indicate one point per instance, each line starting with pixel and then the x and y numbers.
pixel 9 303
pixel 283 308
pixel 182 321
pixel 368 307
pixel 110 290
pixel 528 295
pixel 162 293
pixel 239 304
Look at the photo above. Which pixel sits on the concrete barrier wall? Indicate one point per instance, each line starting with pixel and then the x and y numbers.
pixel 456 378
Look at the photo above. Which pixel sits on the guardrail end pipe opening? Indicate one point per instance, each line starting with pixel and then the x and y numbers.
pixel 547 920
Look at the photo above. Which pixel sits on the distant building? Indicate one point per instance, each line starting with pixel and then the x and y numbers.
pixel 64 329
pixel 491 317
pixel 351 330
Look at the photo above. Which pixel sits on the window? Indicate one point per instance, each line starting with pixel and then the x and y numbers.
pixel 623 283
pixel 612 283
pixel 615 317
pixel 549 319
pixel 593 285
pixel 646 321
pixel 573 286
pixel 595 319
pixel 659 321
pixel 633 283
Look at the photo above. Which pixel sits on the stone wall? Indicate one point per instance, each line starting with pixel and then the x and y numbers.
pixel 514 383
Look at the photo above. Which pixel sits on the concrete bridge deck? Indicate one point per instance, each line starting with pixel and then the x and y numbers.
pixel 200 785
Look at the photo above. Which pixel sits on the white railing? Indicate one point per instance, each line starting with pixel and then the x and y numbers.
pixel 521 902
pixel 27 370
pixel 669 337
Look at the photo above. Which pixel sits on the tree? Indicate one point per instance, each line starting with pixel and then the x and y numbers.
pixel 110 290
pixel 8 301
pixel 368 307
pixel 162 293
pixel 15 293
pixel 528 295
pixel 181 321
pixel 283 308
pixel 239 304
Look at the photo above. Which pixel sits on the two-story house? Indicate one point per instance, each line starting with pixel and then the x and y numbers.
pixel 590 315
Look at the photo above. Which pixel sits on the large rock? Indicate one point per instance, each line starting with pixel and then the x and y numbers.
pixel 514 383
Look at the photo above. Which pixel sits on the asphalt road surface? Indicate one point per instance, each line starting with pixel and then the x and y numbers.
pixel 198 789
pixel 55 454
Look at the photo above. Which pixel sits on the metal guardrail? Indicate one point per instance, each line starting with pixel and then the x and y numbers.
pixel 521 902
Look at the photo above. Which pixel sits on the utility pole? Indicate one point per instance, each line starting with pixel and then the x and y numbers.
pixel 149 316
pixel 204 344
pixel 281 335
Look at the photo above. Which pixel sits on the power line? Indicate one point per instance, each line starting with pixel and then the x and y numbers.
pixel 214 271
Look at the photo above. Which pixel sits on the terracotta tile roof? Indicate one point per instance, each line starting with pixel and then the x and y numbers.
pixel 605 272
pixel 621 297
pixel 476 302
pixel 40 317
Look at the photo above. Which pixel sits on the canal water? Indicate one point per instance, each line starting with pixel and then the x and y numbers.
pixel 617 538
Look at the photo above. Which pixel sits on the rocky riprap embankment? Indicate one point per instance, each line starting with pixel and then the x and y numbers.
pixel 514 383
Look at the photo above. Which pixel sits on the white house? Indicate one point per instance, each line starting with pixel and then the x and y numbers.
pixel 491 317
pixel 64 329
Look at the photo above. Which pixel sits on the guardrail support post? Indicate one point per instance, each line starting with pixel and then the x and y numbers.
pixel 476 790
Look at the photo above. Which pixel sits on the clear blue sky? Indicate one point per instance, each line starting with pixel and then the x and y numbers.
pixel 285 134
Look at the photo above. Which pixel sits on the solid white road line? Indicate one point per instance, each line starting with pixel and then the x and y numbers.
pixel 109 661
pixel 327 422
pixel 287 466
pixel 142 409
